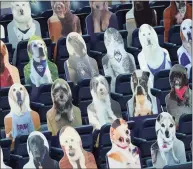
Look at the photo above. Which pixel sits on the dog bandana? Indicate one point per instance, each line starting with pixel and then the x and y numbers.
pixel 40 67
pixel 180 92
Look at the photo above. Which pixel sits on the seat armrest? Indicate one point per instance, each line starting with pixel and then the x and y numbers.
pixel 156 92
pixel 116 96
pixel 138 141
pixel 132 49
pixel 15 157
pixel 57 152
pixel 169 45
pixel 180 135
pixel 36 106
pixel 95 54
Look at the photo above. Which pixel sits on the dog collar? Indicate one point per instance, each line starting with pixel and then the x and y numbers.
pixel 40 67
pixel 180 92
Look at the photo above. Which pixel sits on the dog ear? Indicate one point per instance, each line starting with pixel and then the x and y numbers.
pixel 145 75
pixel 159 117
pixel 29 48
pixel 182 36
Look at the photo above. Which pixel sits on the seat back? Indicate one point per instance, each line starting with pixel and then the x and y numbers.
pixel 121 14
pixel 5 145
pixel 174 35
pixel 20 146
pixel 10 51
pixel 180 166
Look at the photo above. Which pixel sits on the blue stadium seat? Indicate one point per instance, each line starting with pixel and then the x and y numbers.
pixel 4 21
pixel 5 145
pixel 180 166
pixel 85 10
pixel 10 51
pixel 174 35
pixel 82 17
pixel 121 15
pixel 123 6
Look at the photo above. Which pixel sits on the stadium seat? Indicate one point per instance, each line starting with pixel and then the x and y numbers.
pixel 124 6
pixel 85 10
pixel 82 17
pixel 4 21
pixel 180 166
pixel 5 145
pixel 121 15
pixel 174 35
pixel 10 51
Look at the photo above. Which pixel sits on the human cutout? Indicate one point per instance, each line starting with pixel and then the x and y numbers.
pixel 38 151
pixel 117 61
pixel 175 14
pixel 79 66
pixel 142 103
pixel 185 51
pixel 74 154
pixel 23 25
pixel 100 18
pixel 123 153
pixel 144 14
pixel 8 74
pixel 21 120
pixel 3 166
pixel 63 112
pixel 179 100
pixel 167 150
pixel 153 58
pixel 39 70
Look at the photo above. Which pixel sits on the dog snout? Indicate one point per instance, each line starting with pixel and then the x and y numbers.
pixel 139 90
pixel 61 96
pixel 41 51
pixel 167 133
pixel 149 41
pixel 189 36
pixel 21 11
pixel 97 6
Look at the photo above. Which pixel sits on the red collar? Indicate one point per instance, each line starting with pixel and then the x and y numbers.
pixel 180 92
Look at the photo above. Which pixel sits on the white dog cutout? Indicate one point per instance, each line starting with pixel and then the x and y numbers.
pixel 185 51
pixel 167 150
pixel 23 25
pixel 152 58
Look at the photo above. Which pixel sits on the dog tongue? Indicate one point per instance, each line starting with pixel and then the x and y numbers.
pixel 164 146
pixel 180 92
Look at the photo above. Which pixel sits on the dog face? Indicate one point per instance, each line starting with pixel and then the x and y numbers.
pixel 120 134
pixel 147 36
pixel 165 123
pixel 21 11
pixel 99 5
pixel 100 86
pixel 60 8
pixel 38 50
pixel 181 6
pixel 186 30
pixel 36 147
pixel 139 5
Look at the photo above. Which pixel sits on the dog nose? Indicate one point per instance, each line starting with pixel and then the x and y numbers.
pixel 70 147
pixel 41 51
pixel 101 89
pixel 139 90
pixel 61 96
pixel 21 11
pixel 189 36
pixel 149 41
pixel 97 6
pixel 127 140
pixel 167 133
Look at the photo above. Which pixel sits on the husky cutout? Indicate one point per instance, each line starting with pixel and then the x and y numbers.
pixel 21 120
pixel 79 66
pixel 74 154
pixel 142 103
pixel 123 153
pixel 23 25
pixel 117 61
pixel 38 151
pixel 102 109
pixel 167 150
pixel 152 58
pixel 39 70
pixel 185 51
pixel 179 100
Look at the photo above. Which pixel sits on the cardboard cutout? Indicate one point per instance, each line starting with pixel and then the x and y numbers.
pixel 130 24
pixel 167 150
pixel 103 109
pixel 39 70
pixel 117 61
pixel 63 112
pixel 79 65
pixel 23 25
pixel 185 51
pixel 152 58
pixel 100 18
pixel 38 151
pixel 63 21
pixel 144 14
pixel 8 74
pixel 2 35
pixel 123 153
pixel 21 120
pixel 74 154
pixel 179 100
pixel 175 14
pixel 3 166
pixel 142 102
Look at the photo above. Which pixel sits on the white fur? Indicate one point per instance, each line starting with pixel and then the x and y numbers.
pixel 36 79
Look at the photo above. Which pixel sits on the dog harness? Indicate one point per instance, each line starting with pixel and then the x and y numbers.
pixel 40 67
pixel 180 92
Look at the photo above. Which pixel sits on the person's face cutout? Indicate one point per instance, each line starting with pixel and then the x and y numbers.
pixel 60 8
pixel 181 6
pixel 99 5
pixel 186 30
pixel 139 5
pixel 21 11
pixel 147 36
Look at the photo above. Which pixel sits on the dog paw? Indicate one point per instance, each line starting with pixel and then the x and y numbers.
pixel 177 161
pixel 58 116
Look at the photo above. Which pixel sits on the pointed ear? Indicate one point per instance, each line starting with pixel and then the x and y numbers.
pixel 159 117
pixel 145 74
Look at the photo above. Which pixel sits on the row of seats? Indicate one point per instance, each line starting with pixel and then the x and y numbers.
pixel 143 140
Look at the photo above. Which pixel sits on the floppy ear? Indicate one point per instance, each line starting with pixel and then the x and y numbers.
pixel 29 48
pixel 182 36
pixel 159 117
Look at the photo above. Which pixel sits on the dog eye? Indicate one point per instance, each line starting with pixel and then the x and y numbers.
pixel 184 28
pixel 127 131
pixel 144 34
pixel 17 5
pixel 35 45
pixel 121 139
pixel 171 125
pixel 190 27
pixel 66 141
pixel 23 5
pixel 148 33
pixel 163 125
pixel 14 90
pixel 72 140
pixel 139 114
pixel 20 88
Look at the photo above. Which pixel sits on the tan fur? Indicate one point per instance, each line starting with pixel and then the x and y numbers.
pixel 117 156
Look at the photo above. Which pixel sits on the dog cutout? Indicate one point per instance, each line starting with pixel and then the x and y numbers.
pixel 79 66
pixel 38 151
pixel 100 18
pixel 152 58
pixel 175 14
pixel 103 109
pixel 63 112
pixel 74 154
pixel 123 153
pixel 8 74
pixel 39 70
pixel 167 150
pixel 23 25
pixel 21 120
pixel 2 35
pixel 185 51
pixel 144 14
pixel 63 21
pixel 3 166
pixel 179 100
pixel 117 61
pixel 142 103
